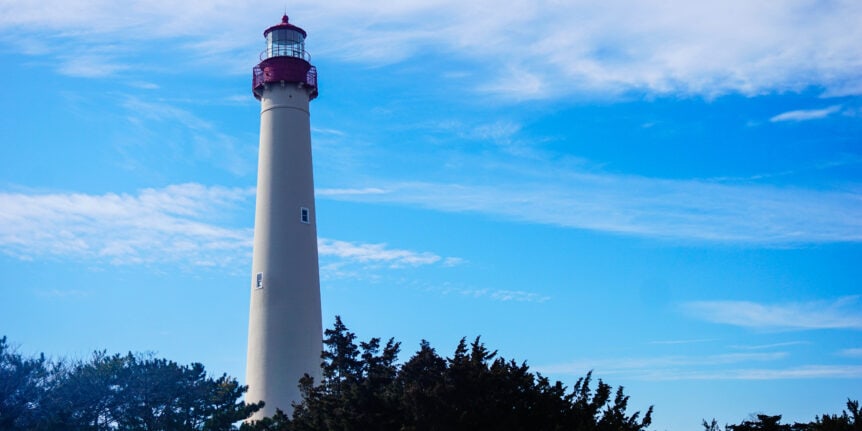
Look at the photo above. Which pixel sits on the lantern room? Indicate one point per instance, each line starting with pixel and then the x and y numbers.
pixel 285 39
pixel 284 60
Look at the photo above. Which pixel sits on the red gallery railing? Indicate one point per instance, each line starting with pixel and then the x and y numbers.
pixel 284 68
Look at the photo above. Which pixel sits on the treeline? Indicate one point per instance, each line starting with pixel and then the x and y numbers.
pixel 130 392
pixel 364 387
pixel 848 420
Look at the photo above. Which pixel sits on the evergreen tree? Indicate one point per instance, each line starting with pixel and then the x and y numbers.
pixel 23 386
pixel 119 392
pixel 828 422
pixel 363 389
pixel 842 422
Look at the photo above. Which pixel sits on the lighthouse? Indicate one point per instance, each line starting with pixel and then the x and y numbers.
pixel 284 329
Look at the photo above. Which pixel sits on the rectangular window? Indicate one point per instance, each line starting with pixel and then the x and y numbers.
pixel 304 216
pixel 258 283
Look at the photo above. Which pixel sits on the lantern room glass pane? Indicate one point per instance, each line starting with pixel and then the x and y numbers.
pixel 285 42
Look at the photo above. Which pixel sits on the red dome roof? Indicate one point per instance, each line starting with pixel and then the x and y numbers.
pixel 285 25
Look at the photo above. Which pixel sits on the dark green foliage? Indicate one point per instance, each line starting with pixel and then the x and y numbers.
pixel 23 385
pixel 710 426
pixel 842 422
pixel 357 391
pixel 364 389
pixel 827 422
pixel 128 393
pixel 761 423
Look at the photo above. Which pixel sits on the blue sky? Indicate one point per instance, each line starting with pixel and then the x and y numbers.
pixel 667 193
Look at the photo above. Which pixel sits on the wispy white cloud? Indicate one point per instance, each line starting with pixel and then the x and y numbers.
pixel 453 261
pixel 375 254
pixel 734 366
pixel 806 114
pixel 535 184
pixel 607 47
pixel 504 135
pixel 853 353
pixel 496 295
pixel 200 140
pixel 650 367
pixel 769 346
pixel 614 366
pixel 348 192
pixel 800 372
pixel 165 112
pixel 613 46
pixel 187 224
pixel 322 131
pixel 144 85
pixel 375 263
pixel 178 224
pixel 518 296
pixel 843 313
pixel 90 66
pixel 632 205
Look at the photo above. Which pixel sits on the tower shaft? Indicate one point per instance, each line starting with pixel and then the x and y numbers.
pixel 285 330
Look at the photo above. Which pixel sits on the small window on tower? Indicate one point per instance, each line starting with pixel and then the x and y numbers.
pixel 303 215
pixel 258 281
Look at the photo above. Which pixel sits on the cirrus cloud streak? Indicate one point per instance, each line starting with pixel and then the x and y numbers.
pixel 738 366
pixel 173 224
pixel 689 210
pixel 842 313
pixel 543 49
pixel 191 225
pixel 805 114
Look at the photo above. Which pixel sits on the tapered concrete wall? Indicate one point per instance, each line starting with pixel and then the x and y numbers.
pixel 285 330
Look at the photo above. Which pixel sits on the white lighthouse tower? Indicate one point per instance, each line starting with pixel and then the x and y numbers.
pixel 284 328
